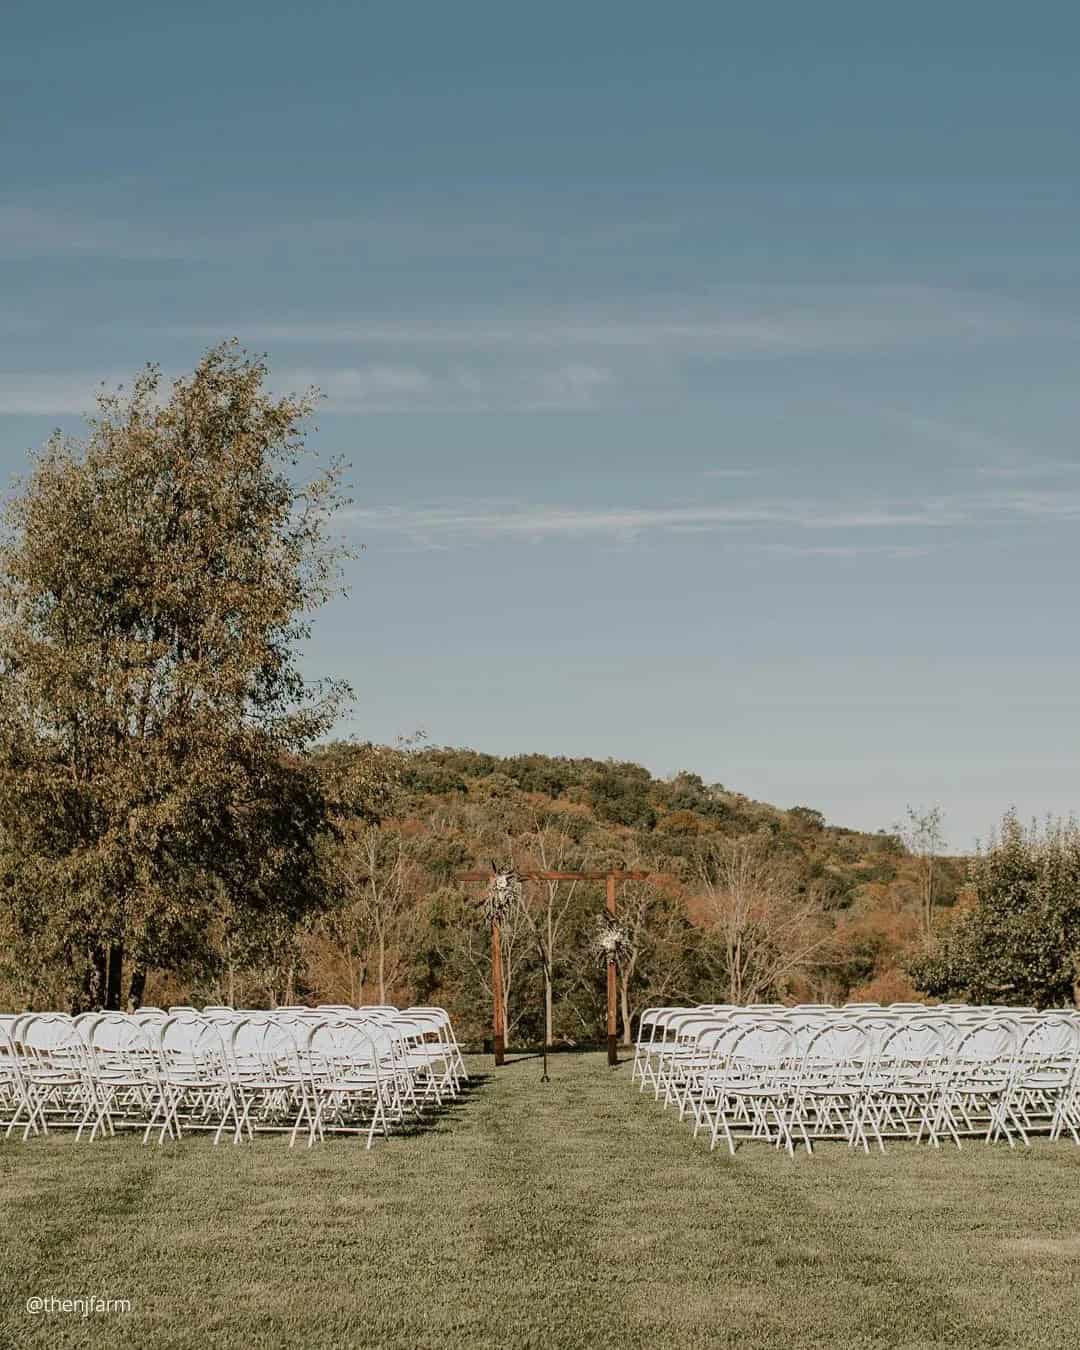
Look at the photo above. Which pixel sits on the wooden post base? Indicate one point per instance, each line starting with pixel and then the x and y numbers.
pixel 500 1051
pixel 612 1051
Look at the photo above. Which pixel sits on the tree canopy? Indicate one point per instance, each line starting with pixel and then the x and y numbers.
pixel 155 581
pixel 1019 943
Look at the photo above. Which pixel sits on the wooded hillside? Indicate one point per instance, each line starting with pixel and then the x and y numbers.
pixel 745 902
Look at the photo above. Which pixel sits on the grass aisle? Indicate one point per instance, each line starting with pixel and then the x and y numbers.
pixel 571 1214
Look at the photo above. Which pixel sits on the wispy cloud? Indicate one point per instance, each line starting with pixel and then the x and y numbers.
pixel 585 358
pixel 460 522
pixel 47 232
pixel 373 388
pixel 647 356
pixel 494 520
pixel 848 550
pixel 1030 468
pixel 34 393
pixel 377 387
pixel 549 386
pixel 763 321
pixel 989 455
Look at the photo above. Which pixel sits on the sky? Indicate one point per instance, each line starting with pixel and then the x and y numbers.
pixel 707 373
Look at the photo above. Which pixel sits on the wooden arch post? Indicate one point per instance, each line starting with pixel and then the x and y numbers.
pixel 498 1007
pixel 498 1024
pixel 612 1029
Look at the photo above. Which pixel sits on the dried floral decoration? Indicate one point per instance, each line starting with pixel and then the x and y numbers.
pixel 610 942
pixel 502 896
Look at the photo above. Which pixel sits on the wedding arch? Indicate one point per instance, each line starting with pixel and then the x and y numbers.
pixel 504 889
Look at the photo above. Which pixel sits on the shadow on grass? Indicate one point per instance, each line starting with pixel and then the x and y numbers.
pixel 555 1052
pixel 437 1119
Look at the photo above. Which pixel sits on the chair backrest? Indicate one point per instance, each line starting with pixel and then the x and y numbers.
pixel 914 1043
pixel 687 1026
pixel 715 1043
pixel 51 1042
pixel 190 1043
pixel 835 1050
pixel 986 1043
pixel 9 1059
pixel 806 1027
pixel 266 1045
pixel 765 1045
pixel 1047 1039
pixel 339 1046
pixel 119 1042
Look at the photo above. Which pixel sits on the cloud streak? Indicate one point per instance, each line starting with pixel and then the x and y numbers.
pixel 40 394
pixel 583 358
pixel 490 521
pixel 379 387
pixel 45 232
pixel 746 321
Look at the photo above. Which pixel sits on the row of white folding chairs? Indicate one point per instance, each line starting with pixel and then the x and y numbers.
pixel 172 1072
pixel 185 1071
pixel 428 1029
pixel 1037 1079
pixel 663 1031
pixel 224 1012
pixel 668 1034
pixel 858 1075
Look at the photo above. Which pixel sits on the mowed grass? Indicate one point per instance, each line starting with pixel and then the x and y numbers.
pixel 569 1214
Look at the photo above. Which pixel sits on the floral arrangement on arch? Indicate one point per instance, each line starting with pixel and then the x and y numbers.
pixel 611 941
pixel 503 895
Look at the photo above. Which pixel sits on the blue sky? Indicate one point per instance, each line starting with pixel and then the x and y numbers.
pixel 709 377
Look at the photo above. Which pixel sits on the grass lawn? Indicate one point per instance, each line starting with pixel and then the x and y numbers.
pixel 571 1214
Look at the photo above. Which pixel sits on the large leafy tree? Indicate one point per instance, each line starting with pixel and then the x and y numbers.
pixel 155 581
pixel 1020 941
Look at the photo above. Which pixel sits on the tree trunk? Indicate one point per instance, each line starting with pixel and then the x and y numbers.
pixel 624 999
pixel 92 989
pixel 137 988
pixel 547 1006
pixel 382 968
pixel 114 977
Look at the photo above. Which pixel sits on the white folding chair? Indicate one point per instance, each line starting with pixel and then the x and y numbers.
pixel 125 1068
pixel 196 1086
